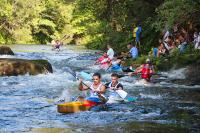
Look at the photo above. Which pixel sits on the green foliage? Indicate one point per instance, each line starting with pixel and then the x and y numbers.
pixel 35 21
pixel 182 12
pixel 116 19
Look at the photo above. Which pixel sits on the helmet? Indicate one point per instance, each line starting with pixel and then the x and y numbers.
pixel 148 60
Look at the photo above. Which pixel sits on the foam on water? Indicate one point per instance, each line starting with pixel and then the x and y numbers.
pixel 150 96
pixel 176 74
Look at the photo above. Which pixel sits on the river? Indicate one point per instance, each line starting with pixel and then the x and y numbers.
pixel 27 103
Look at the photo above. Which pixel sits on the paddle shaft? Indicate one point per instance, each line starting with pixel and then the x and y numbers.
pixel 109 67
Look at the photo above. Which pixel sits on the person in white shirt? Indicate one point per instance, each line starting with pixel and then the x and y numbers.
pixel 110 52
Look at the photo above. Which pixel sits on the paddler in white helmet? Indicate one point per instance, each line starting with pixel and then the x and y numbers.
pixel 146 70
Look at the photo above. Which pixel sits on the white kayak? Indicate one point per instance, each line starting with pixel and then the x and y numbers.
pixel 113 99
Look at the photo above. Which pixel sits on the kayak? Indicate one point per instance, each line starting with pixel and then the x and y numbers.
pixel 116 98
pixel 116 68
pixel 76 106
pixel 79 106
pixel 112 99
pixel 128 69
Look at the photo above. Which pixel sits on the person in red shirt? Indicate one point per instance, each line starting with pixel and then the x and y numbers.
pixel 146 70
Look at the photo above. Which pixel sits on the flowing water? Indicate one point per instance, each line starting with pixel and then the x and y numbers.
pixel 28 103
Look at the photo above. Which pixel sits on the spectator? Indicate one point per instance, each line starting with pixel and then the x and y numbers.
pixel 135 29
pixel 183 43
pixel 133 51
pixel 161 50
pixel 138 35
pixel 197 40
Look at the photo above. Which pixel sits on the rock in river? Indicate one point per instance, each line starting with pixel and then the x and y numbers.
pixel 4 50
pixel 14 67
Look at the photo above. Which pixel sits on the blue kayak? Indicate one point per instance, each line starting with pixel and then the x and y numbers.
pixel 116 68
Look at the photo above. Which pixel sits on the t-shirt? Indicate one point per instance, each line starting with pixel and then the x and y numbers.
pixel 167 33
pixel 197 46
pixel 134 31
pixel 198 39
pixel 134 52
pixel 138 32
pixel 110 53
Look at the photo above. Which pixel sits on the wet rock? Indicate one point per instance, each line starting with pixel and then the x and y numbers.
pixel 4 50
pixel 193 74
pixel 14 67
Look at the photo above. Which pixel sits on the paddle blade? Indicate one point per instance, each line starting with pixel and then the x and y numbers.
pixel 122 93
pixel 86 76
pixel 131 99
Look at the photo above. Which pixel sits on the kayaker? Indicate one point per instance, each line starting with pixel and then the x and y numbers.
pixel 110 52
pixel 103 59
pixel 56 44
pixel 115 64
pixel 114 84
pixel 112 87
pixel 97 89
pixel 146 70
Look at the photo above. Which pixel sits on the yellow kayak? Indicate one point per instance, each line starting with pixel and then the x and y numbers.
pixel 73 107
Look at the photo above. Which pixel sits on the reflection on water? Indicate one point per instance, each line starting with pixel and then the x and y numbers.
pixel 28 103
pixel 52 130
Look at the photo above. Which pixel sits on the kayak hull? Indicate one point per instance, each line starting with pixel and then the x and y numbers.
pixel 74 107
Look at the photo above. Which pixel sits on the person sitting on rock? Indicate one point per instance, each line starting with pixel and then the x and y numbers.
pixel 132 53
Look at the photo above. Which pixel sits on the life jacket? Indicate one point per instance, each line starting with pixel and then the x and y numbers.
pixel 113 93
pixel 110 85
pixel 146 74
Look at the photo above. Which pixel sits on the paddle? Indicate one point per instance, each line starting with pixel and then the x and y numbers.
pixel 152 74
pixel 108 67
pixel 64 38
pixel 124 95
pixel 102 98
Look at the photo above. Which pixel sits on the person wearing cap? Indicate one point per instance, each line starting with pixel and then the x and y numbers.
pixel 146 70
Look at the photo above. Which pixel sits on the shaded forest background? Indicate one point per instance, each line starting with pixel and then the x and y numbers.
pixel 94 23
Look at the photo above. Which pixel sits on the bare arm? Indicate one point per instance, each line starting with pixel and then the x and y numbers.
pixel 82 87
pixel 139 69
